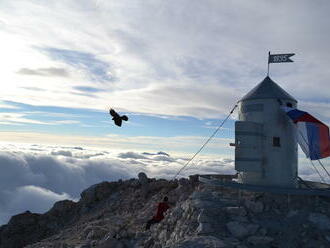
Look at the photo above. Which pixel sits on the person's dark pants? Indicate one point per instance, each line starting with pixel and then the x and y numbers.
pixel 151 222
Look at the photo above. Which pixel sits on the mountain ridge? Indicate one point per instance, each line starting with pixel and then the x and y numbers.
pixel 114 214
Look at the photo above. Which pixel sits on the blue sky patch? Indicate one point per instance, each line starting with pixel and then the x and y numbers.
pixel 86 122
pixel 97 69
pixel 88 89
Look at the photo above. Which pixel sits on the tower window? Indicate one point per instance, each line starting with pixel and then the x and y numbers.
pixel 252 108
pixel 276 141
pixel 288 104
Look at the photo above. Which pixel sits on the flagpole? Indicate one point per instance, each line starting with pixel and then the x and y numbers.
pixel 278 58
pixel 268 64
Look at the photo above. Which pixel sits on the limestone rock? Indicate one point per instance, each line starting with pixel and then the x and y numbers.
pixel 320 220
pixel 252 228
pixel 237 229
pixel 85 245
pixel 240 230
pixel 113 243
pixel 236 211
pixel 97 192
pixel 193 179
pixel 22 229
pixel 200 242
pixel 205 228
pixel 262 231
pixel 115 214
pixel 232 241
pixel 61 207
pixel 254 207
pixel 183 182
pixel 292 213
pixel 143 179
pixel 164 235
pixel 259 240
pixel 95 232
pixel 203 217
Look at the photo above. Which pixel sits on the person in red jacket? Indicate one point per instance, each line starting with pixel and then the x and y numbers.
pixel 161 209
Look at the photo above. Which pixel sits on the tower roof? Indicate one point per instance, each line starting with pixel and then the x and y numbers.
pixel 268 89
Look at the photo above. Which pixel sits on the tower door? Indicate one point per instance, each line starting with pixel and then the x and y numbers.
pixel 248 148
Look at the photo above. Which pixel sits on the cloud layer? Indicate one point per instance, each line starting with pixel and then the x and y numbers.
pixel 33 177
pixel 57 72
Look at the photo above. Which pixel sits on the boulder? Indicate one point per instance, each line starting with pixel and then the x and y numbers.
pixel 113 243
pixel 320 220
pixel 164 235
pixel 176 213
pixel 262 231
pixel 259 240
pixel 85 245
pixel 254 207
pixel 150 242
pixel 24 219
pixel 205 228
pixel 203 217
pixel 193 179
pixel 63 205
pixel 183 182
pixel 200 242
pixel 252 228
pixel 239 218
pixel 292 213
pixel 143 179
pixel 238 230
pixel 97 192
pixel 231 241
pixel 95 232
pixel 62 208
pixel 236 211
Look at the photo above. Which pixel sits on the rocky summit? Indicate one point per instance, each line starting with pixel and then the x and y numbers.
pixel 114 214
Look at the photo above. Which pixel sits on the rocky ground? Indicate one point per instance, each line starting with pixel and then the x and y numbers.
pixel 113 214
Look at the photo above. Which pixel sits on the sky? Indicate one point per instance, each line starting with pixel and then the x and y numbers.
pixel 175 68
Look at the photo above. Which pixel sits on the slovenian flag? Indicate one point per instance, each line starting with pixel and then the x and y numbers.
pixel 313 135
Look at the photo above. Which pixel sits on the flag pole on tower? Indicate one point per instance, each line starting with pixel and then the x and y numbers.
pixel 278 58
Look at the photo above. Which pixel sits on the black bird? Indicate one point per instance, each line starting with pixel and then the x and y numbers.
pixel 117 118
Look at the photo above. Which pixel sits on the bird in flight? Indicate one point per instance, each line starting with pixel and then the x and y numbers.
pixel 117 118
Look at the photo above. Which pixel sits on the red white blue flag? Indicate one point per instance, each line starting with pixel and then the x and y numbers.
pixel 313 135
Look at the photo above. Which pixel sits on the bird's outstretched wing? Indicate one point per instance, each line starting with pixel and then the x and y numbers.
pixel 114 114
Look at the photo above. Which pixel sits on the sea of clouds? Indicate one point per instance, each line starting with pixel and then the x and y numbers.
pixel 34 177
